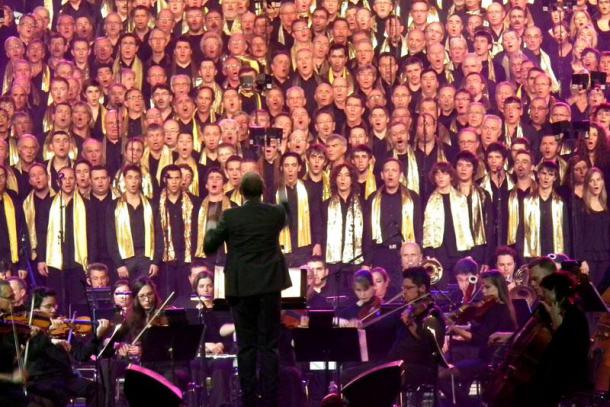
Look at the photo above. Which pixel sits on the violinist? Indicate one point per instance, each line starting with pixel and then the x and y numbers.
pixel 121 296
pixel 49 364
pixel 381 281
pixel 217 341
pixel 145 301
pixel 466 272
pixel 366 301
pixel 563 370
pixel 420 330
pixel 320 286
pixel 494 313
pixel 11 377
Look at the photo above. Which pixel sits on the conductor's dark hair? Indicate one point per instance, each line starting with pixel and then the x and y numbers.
pixel 252 185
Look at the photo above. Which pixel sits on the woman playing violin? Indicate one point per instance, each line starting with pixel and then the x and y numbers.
pixel 366 301
pixel 381 281
pixel 495 313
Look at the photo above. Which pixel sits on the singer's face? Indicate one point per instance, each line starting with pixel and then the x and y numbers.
pixel 133 180
pixel 173 181
pixel 68 182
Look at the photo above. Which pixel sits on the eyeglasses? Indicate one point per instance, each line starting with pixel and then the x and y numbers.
pixel 148 296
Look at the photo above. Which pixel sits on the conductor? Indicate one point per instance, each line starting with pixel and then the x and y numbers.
pixel 255 274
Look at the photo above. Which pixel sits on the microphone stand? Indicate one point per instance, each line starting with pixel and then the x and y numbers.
pixel 203 363
pixel 28 263
pixel 61 244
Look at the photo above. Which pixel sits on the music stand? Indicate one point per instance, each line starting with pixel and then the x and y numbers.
pixel 330 344
pixel 100 302
pixel 171 343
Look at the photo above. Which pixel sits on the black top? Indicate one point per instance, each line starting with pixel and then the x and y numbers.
pixel 255 263
pixel 496 319
pixel 563 366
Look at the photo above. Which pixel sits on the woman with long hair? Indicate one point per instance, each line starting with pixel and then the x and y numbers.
pixel 578 167
pixel 495 313
pixel 592 227
pixel 594 146
pixel 343 221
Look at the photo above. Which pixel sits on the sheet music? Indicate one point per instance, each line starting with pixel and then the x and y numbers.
pixel 297 290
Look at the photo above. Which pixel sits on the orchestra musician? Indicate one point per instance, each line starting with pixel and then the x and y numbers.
pixel 381 282
pixel 366 301
pixel 49 364
pixel 11 376
pixel 420 330
pixel 494 313
pixel 217 341
pixel 563 370
pixel 411 255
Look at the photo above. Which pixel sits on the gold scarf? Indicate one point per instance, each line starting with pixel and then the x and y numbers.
pixel 304 220
pixel 434 221
pixel 532 247
pixel 485 183
pixel 202 223
pixel 508 138
pixel 136 67
pixel 169 253
pixel 407 208
pixel 118 184
pixel 370 185
pixel 326 192
pixel 164 160
pixel 477 217
pixel 11 180
pixel 412 179
pixel 13 152
pixel 11 224
pixel 513 214
pixel 29 210
pixel 336 252
pixel 123 228
pixel 235 27
pixel 79 230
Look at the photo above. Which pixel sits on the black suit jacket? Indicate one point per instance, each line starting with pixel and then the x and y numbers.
pixel 255 263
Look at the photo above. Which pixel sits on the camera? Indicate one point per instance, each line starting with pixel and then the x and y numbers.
pixel 264 82
pixel 565 130
pixel 583 81
pixel 262 137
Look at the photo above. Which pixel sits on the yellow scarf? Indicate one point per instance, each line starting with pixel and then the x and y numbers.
pixel 412 179
pixel 407 208
pixel 164 160
pixel 29 210
pixel 235 28
pixel 532 247
pixel 11 180
pixel 202 223
pixel 123 229
pixel 434 221
pixel 336 252
pixel 326 192
pixel 304 220
pixel 11 223
pixel 79 225
pixel 169 253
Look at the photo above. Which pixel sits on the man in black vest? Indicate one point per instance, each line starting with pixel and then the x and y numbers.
pixel 255 274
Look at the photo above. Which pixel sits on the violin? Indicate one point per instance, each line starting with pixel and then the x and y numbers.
pixel 415 310
pixel 39 319
pixel 473 311
pixel 368 308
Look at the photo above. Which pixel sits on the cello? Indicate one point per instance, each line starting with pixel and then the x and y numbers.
pixel 515 371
